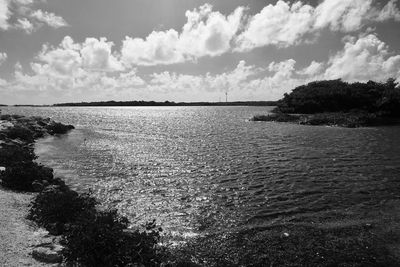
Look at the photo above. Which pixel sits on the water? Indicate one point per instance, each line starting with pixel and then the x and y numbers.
pixel 210 168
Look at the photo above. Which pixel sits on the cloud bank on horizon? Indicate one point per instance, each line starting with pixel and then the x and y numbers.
pixel 96 69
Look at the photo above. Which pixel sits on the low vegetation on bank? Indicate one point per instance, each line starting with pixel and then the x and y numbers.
pixel 339 103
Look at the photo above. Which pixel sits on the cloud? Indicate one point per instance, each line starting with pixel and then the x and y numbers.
pixel 209 33
pixel 69 58
pixel 313 69
pixel 223 82
pixel 63 60
pixel 285 24
pixel 342 15
pixel 157 48
pixel 281 24
pixel 48 18
pixel 97 55
pixel 3 57
pixel 87 68
pixel 21 14
pixel 4 14
pixel 363 59
pixel 25 25
pixel 92 71
pixel 206 33
pixel 389 11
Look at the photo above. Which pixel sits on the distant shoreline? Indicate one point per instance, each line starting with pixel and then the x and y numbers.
pixel 339 119
pixel 152 104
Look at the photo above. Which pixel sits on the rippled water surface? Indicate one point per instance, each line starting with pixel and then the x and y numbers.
pixel 204 167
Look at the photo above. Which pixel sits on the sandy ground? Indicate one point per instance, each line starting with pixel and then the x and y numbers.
pixel 18 235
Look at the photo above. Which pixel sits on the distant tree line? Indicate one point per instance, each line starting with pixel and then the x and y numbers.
pixel 382 99
pixel 168 103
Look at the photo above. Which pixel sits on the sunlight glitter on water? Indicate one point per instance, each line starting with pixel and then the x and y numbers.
pixel 208 168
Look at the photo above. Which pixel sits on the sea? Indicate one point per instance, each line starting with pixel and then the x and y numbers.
pixel 196 169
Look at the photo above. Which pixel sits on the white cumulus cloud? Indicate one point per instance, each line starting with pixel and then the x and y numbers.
pixel 3 57
pixel 4 14
pixel 206 33
pixel 49 18
pixel 22 14
pixel 70 57
pixel 285 24
pixel 97 55
pixel 281 24
pixel 25 24
pixel 362 59
pixel 313 69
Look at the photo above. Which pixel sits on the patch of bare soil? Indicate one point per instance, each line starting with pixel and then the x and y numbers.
pixel 18 236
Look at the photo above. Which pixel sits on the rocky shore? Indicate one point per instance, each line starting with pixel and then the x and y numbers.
pixel 22 242
pixel 74 230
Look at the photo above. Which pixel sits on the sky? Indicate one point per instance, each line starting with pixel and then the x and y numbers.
pixel 54 51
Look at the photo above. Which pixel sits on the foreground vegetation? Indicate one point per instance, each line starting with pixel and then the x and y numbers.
pixel 92 236
pixel 339 103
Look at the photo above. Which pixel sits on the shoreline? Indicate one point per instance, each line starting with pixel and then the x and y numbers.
pixel 334 119
pixel 23 242
pixel 354 239
pixel 77 230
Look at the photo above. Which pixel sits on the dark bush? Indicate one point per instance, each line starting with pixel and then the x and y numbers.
pixel 21 175
pixel 10 154
pixel 58 128
pixel 339 96
pixel 101 238
pixel 20 132
pixel 5 117
pixel 59 205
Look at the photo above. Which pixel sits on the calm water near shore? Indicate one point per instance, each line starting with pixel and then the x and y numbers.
pixel 210 168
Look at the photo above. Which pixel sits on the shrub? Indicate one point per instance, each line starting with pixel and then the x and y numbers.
pixel 10 154
pixel 20 132
pixel 21 175
pixel 100 238
pixel 59 205
pixel 5 117
pixel 58 128
pixel 339 96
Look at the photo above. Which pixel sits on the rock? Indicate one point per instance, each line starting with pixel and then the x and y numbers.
pixel 37 186
pixel 48 254
pixel 285 234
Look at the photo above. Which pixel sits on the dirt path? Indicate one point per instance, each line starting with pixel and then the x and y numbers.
pixel 17 235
